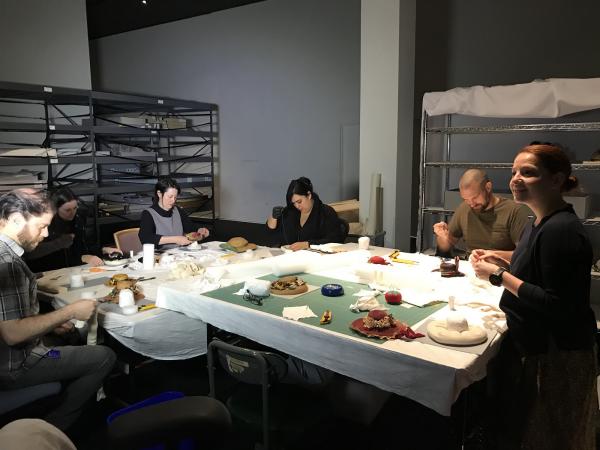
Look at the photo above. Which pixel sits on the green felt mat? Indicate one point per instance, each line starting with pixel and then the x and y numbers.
pixel 342 316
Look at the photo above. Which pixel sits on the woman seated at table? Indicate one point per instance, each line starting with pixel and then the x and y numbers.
pixel 306 219
pixel 66 244
pixel 165 224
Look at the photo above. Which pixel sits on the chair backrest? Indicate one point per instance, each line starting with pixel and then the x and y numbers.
pixel 344 229
pixel 128 240
pixel 246 365
pixel 30 401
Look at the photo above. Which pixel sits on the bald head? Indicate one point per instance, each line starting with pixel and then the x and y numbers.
pixel 476 189
pixel 473 178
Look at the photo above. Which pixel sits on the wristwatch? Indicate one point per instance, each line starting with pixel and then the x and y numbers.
pixel 496 277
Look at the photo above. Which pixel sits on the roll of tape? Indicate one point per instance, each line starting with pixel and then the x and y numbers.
pixel 332 290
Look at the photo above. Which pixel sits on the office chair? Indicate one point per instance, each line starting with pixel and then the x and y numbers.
pixel 275 406
pixel 169 419
pixel 344 229
pixel 30 401
pixel 127 240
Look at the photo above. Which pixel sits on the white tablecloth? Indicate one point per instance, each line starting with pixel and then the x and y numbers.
pixel 431 375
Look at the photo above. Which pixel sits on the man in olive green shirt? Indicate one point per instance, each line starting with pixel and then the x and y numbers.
pixel 483 219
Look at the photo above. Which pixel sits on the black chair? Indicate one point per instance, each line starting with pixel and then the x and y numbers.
pixel 344 229
pixel 30 401
pixel 204 419
pixel 274 406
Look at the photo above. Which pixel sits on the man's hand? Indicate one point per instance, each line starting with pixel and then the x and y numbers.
pixel 63 329
pixel 83 309
pixel 277 212
pixel 441 230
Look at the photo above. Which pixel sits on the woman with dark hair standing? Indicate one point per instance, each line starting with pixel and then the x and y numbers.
pixel 164 223
pixel 66 244
pixel 546 369
pixel 306 219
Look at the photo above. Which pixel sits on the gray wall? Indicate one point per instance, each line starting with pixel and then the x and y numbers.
pixel 285 74
pixel 44 42
pixel 485 42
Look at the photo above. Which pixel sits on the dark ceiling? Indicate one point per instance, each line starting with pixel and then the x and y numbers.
pixel 106 17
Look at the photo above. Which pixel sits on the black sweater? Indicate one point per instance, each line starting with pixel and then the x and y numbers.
pixel 321 227
pixel 147 231
pixel 554 260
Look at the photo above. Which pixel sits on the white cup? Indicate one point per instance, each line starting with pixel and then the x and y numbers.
pixel 126 298
pixel 76 280
pixel 148 254
pixel 363 243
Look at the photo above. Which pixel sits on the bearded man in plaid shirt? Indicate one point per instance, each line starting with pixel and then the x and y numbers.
pixel 24 360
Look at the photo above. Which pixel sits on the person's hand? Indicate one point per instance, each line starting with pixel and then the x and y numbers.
pixel 277 212
pixel 63 329
pixel 92 260
pixel 181 240
pixel 441 229
pixel 483 269
pixel 109 250
pixel 490 256
pixel 83 309
pixel 299 246
pixel 203 232
pixel 65 240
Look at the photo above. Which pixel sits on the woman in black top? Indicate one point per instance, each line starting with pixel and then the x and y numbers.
pixel 305 220
pixel 547 360
pixel 165 223
pixel 66 244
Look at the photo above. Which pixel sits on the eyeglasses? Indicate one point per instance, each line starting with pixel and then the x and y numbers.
pixel 254 299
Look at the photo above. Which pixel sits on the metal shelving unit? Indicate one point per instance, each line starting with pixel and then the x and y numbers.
pixel 92 125
pixel 444 135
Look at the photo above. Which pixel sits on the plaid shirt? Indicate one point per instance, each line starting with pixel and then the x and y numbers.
pixel 18 299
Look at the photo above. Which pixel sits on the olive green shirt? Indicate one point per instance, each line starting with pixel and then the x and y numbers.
pixel 497 228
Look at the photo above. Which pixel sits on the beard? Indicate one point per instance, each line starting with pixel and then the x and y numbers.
pixel 28 241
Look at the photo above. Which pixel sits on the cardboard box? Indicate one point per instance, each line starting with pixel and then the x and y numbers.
pixel 347 209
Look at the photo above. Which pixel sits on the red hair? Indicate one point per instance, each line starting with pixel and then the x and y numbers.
pixel 554 159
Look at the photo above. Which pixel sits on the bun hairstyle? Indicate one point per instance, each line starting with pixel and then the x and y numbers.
pixel 300 186
pixel 553 158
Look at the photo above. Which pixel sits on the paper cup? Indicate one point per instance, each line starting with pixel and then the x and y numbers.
pixel 76 280
pixel 363 243
pixel 126 298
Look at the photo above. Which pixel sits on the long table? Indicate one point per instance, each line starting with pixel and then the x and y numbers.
pixel 156 333
pixel 432 375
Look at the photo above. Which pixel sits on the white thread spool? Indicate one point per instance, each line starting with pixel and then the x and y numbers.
pixel 148 254
pixel 363 243
pixel 92 335
pixel 76 280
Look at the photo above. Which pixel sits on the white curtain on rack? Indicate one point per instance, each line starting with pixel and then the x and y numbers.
pixel 554 97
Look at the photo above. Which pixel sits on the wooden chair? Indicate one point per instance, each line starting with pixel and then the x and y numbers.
pixel 127 240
